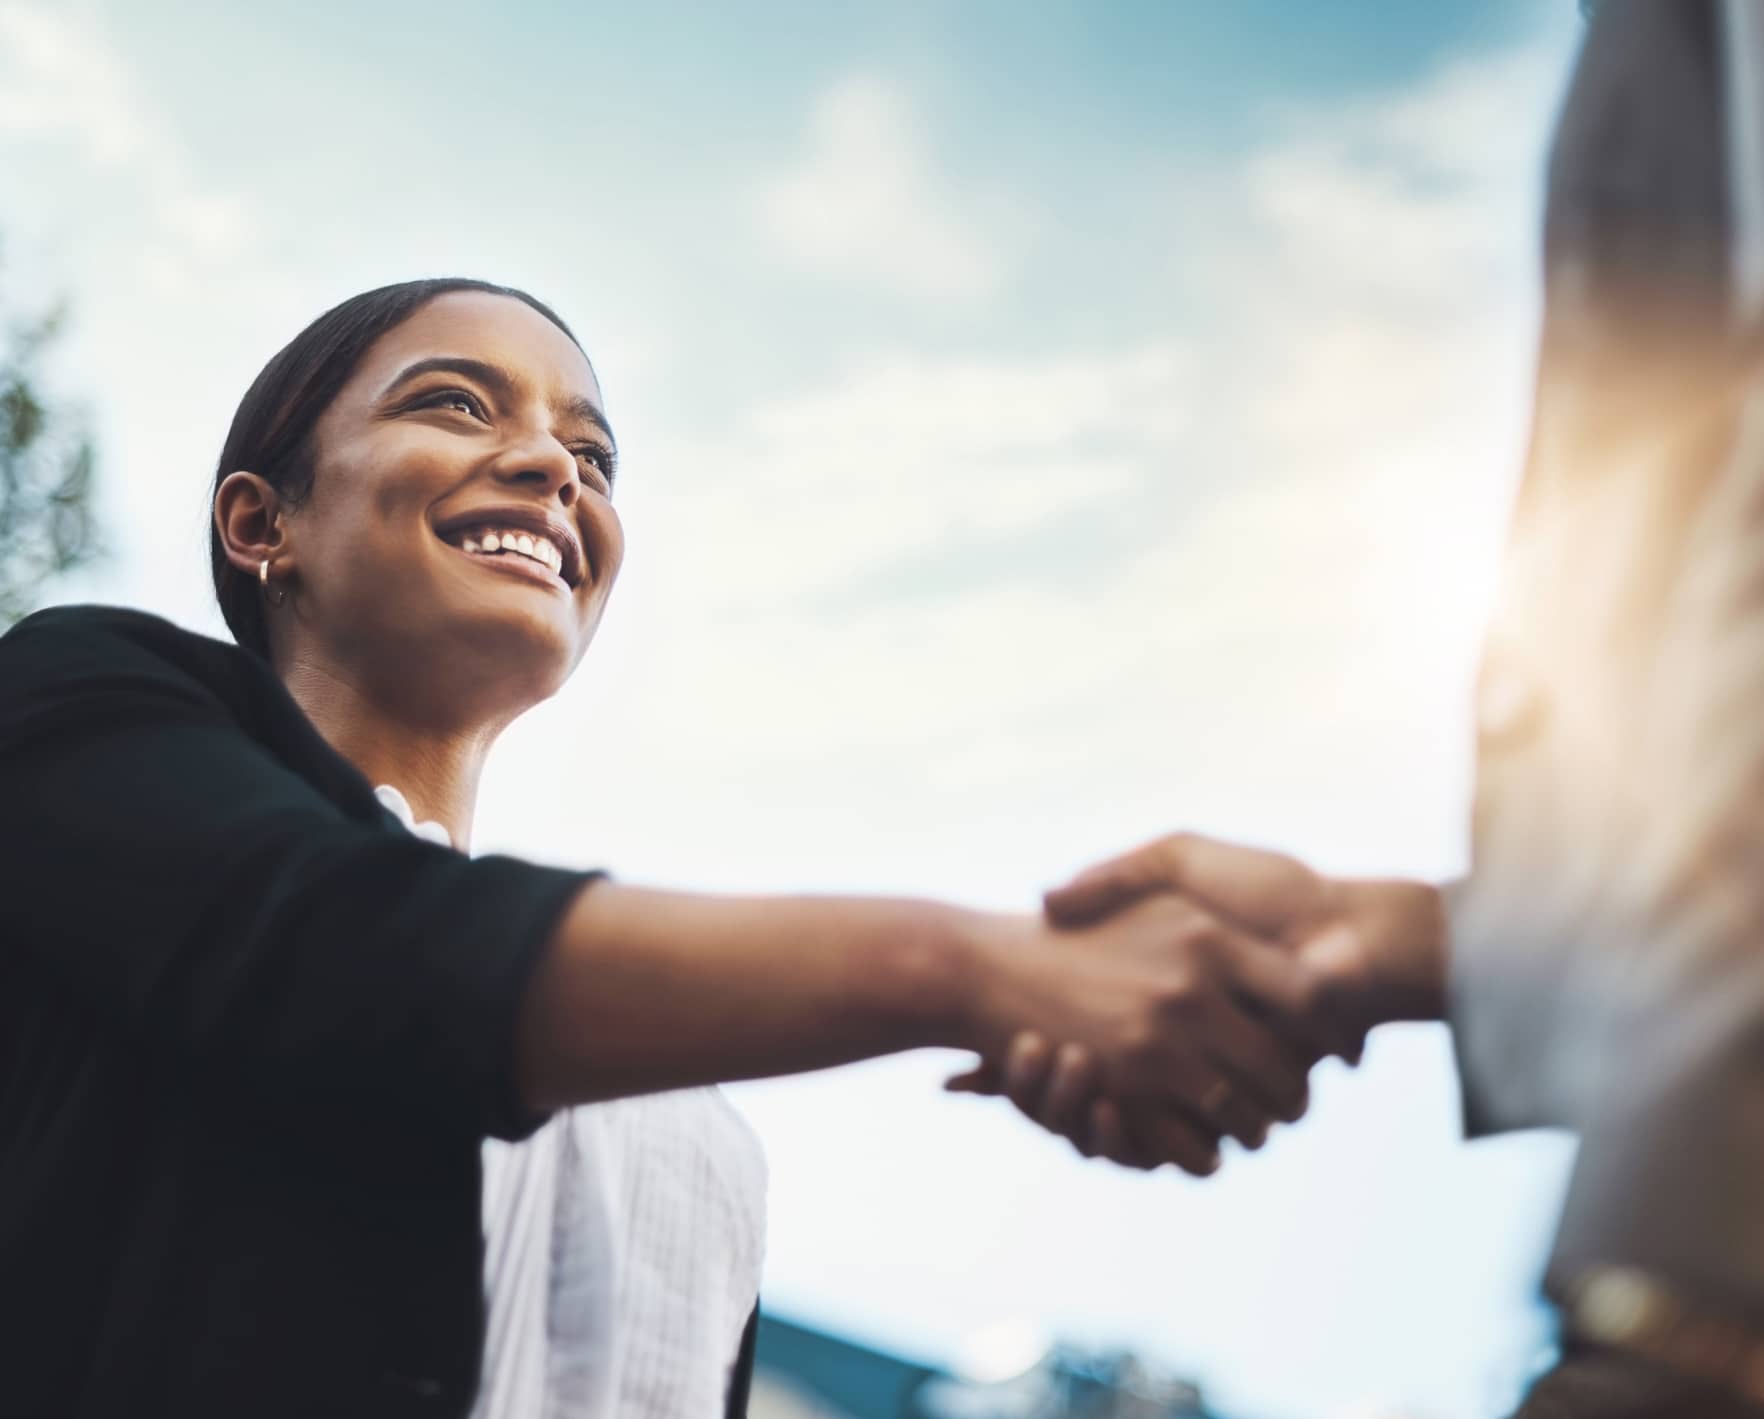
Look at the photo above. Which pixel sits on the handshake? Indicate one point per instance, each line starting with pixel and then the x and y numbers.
pixel 1180 994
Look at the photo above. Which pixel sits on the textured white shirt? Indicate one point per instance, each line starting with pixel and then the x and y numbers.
pixel 623 1245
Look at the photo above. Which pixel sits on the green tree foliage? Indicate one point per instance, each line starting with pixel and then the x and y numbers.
pixel 47 525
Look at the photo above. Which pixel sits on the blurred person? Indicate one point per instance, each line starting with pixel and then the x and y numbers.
pixel 1603 963
pixel 305 1112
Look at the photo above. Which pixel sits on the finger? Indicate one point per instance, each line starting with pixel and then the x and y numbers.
pixel 983 1078
pixel 1238 1116
pixel 1354 1048
pixel 1109 1138
pixel 1113 1140
pixel 1066 1102
pixel 1027 1063
pixel 1268 892
pixel 1170 1136
pixel 1103 889
pixel 1266 1076
pixel 1265 891
pixel 1279 988
pixel 1214 1101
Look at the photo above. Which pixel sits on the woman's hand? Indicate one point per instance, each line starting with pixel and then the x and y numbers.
pixel 1187 1028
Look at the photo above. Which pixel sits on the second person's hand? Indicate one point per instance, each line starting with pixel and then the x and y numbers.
pixel 1371 951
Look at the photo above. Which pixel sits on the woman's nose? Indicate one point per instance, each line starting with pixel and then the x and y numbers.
pixel 544 465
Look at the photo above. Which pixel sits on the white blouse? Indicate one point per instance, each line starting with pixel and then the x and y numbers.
pixel 623 1246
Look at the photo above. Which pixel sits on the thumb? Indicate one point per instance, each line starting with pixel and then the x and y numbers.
pixel 1268 892
pixel 1101 891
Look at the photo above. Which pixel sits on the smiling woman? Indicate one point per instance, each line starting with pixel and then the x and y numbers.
pixel 510 382
pixel 307 1112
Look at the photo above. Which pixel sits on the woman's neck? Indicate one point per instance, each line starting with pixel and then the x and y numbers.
pixel 436 766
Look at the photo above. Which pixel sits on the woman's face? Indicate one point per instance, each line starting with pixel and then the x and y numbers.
pixel 460 534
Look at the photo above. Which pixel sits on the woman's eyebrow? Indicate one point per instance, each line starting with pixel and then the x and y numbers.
pixel 492 377
pixel 589 413
pixel 502 383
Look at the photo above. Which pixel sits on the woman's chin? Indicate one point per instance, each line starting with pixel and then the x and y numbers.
pixel 531 646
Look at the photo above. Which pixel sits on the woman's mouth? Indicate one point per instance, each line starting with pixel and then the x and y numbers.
pixel 513 550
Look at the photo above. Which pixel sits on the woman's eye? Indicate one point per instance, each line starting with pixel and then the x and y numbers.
pixel 597 458
pixel 455 399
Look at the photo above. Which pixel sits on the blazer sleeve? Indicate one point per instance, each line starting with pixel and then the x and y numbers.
pixel 1608 970
pixel 1598 654
pixel 175 875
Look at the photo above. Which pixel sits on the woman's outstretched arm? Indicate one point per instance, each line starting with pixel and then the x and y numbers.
pixel 174 866
pixel 644 990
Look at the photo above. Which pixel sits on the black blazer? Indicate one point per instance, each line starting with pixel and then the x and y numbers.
pixel 252 1035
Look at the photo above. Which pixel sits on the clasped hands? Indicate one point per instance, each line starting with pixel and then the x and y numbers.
pixel 1181 993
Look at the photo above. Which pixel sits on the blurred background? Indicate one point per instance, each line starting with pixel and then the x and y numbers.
pixel 1044 426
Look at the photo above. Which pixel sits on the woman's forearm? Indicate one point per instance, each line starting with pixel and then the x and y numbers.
pixel 643 990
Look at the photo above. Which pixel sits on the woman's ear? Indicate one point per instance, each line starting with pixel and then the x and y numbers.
pixel 247 517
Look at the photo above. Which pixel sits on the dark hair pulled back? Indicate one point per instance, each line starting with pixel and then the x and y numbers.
pixel 272 430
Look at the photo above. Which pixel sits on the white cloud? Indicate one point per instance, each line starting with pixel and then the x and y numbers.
pixel 907 457
pixel 974 407
pixel 63 82
pixel 60 78
pixel 1080 554
pixel 865 202
pixel 1410 195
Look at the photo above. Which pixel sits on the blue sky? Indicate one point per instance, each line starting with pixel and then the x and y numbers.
pixel 1043 426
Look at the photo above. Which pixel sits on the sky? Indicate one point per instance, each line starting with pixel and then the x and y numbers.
pixel 1042 427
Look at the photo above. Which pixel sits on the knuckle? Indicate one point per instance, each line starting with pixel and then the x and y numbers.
pixel 1141 1051
pixel 1316 992
pixel 1177 990
pixel 1172 852
pixel 1185 917
pixel 1205 941
pixel 1074 1068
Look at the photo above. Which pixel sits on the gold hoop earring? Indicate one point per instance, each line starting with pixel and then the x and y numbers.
pixel 275 595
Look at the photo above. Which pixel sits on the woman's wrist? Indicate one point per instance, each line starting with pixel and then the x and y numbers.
pixel 989 979
pixel 934 963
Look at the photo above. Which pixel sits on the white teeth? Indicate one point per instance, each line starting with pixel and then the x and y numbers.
pixel 540 549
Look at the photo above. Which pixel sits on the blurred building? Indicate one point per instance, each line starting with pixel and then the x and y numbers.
pixel 803 1373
